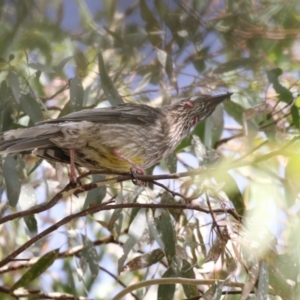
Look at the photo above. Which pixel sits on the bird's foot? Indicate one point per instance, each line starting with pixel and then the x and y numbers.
pixel 137 171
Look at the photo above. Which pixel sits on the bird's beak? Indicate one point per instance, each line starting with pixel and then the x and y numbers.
pixel 215 100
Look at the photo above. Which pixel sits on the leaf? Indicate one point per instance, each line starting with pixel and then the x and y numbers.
pixel 171 162
pixel 37 269
pixel 218 246
pixel 76 93
pixel 187 272
pixel 28 197
pixel 295 116
pixel 135 232
pixel 145 260
pixel 253 272
pixel 231 189
pixel 37 164
pixel 31 224
pixel 14 85
pixel 41 67
pixel 11 57
pixel 234 64
pixel 166 230
pixel 166 291
pixel 213 293
pixel 263 282
pixel 166 61
pixel 234 110
pixel 279 283
pixel 95 196
pixel 90 255
pixel 27 200
pixel 153 229
pixel 31 107
pixel 62 63
pixel 115 220
pixel 285 95
pixel 108 87
pixel 152 26
pixel 12 181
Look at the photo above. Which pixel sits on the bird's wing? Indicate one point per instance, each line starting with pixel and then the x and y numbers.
pixel 123 113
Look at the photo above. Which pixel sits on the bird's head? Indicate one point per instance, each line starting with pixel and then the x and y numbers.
pixel 197 108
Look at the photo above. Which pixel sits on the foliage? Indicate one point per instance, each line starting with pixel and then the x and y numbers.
pixel 222 220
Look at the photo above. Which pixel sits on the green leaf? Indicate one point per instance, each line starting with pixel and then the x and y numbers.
pixel 234 64
pixel 234 110
pixel 115 221
pixel 37 269
pixel 95 196
pixel 166 230
pixel 166 61
pixel 12 181
pixel 188 272
pixel 62 63
pixel 108 86
pixel 31 224
pixel 152 26
pixel 214 292
pixel 135 232
pixel 145 260
pixel 14 83
pixel 295 116
pixel 37 164
pixel 27 200
pixel 31 107
pixel 41 67
pixel 285 95
pixel 171 162
pixel 232 191
pixel 90 255
pixel 263 282
pixel 166 291
pixel 76 93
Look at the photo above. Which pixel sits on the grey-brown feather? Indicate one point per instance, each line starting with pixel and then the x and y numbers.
pixel 135 129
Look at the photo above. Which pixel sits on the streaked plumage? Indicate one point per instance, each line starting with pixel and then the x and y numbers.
pixel 141 134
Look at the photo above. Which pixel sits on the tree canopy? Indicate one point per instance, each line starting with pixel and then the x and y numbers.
pixel 217 219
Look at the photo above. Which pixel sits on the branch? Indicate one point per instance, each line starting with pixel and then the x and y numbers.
pixel 174 280
pixel 40 295
pixel 103 207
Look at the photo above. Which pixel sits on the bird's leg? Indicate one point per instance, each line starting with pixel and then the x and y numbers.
pixel 73 177
pixel 135 169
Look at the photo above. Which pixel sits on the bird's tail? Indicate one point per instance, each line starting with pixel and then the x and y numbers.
pixel 27 138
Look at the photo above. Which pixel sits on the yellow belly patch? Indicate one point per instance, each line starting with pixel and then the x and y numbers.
pixel 106 159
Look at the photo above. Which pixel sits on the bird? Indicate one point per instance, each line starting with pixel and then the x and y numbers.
pixel 129 137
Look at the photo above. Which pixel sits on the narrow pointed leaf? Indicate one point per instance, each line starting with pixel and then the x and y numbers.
pixel 95 196
pixel 90 255
pixel 263 282
pixel 37 269
pixel 12 181
pixel 144 261
pixel 31 107
pixel 108 87
pixel 76 93
pixel 166 230
pixel 188 272
pixel 41 67
pixel 62 63
pixel 166 291
pixel 14 85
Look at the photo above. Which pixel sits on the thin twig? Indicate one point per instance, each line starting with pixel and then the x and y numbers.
pixel 107 206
